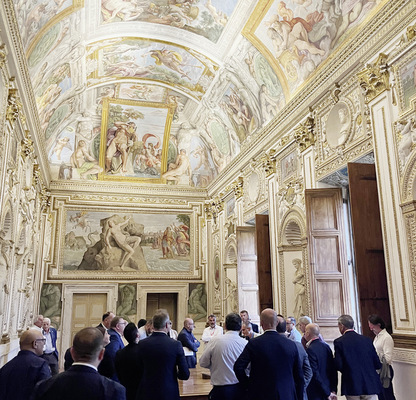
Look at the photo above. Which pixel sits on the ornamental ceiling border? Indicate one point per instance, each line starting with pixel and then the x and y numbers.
pixel 392 19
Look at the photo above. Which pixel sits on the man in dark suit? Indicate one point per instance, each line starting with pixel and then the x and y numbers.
pixel 20 375
pixel 275 371
pixel 126 362
pixel 82 381
pixel 245 318
pixel 189 342
pixel 161 362
pixel 116 343
pixel 106 320
pixel 324 381
pixel 357 360
pixel 50 352
pixel 303 357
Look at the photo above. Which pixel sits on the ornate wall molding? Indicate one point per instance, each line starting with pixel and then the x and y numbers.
pixel 304 134
pixel 375 78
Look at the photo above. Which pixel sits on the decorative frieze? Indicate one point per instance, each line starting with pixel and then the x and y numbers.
pixel 374 78
pixel 238 187
pixel 3 55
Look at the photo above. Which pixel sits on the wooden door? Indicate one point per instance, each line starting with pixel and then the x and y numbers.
pixel 368 245
pixel 327 258
pixel 248 288
pixel 264 262
pixel 167 301
pixel 87 310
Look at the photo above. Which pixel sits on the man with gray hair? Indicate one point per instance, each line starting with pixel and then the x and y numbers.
pixel 82 380
pixel 358 362
pixel 220 355
pixel 50 352
pixel 161 362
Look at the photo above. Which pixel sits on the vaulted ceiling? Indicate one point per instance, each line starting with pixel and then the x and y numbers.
pixel 169 91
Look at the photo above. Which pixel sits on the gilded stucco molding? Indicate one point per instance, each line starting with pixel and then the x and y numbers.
pixel 374 79
pixel 14 107
pixel 3 55
pixel 411 32
pixel 27 147
pixel 304 134
pixel 269 162
pixel 409 212
pixel 238 187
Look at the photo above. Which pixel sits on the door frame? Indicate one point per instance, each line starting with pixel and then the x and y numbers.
pixel 181 289
pixel 68 291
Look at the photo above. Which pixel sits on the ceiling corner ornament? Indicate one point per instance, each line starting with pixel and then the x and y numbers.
pixel 411 32
pixel 269 162
pixel 14 107
pixel 304 134
pixel 213 208
pixel 27 146
pixel 238 187
pixel 374 78
pixel 3 55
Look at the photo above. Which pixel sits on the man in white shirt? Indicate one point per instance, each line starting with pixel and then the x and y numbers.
pixel 291 332
pixel 212 330
pixel 50 352
pixel 220 355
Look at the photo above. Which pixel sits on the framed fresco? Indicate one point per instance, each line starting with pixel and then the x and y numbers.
pixel 289 165
pixel 405 74
pixel 134 140
pixel 136 245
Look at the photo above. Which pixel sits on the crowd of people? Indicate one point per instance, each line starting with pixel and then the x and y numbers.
pixel 273 361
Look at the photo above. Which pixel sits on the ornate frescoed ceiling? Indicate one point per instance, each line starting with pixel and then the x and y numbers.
pixel 169 91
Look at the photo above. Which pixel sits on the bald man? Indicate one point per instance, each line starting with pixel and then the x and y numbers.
pixel 82 380
pixel 275 371
pixel 20 375
pixel 189 342
pixel 324 381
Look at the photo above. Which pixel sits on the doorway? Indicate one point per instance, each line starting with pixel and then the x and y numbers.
pixel 167 301
pixel 357 251
pixel 87 310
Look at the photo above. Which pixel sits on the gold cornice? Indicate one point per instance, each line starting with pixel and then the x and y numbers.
pixel 304 134
pixel 374 79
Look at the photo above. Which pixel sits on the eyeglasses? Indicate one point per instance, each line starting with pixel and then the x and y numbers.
pixel 122 323
pixel 40 340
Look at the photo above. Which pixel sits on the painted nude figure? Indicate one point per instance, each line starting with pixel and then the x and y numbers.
pixel 180 167
pixel 120 139
pixel 127 243
pixel 84 162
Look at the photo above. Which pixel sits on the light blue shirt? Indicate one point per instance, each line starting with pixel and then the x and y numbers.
pixel 219 356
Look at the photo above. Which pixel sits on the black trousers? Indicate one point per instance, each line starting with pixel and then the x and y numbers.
pixel 226 392
pixel 387 393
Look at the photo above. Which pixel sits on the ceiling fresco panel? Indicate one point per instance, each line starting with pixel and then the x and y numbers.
pixel 134 140
pixel 35 18
pixel 207 19
pixel 297 36
pixel 138 58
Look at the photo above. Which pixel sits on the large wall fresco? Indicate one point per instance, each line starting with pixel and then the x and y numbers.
pixel 119 242
pixel 298 35
pixel 207 19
